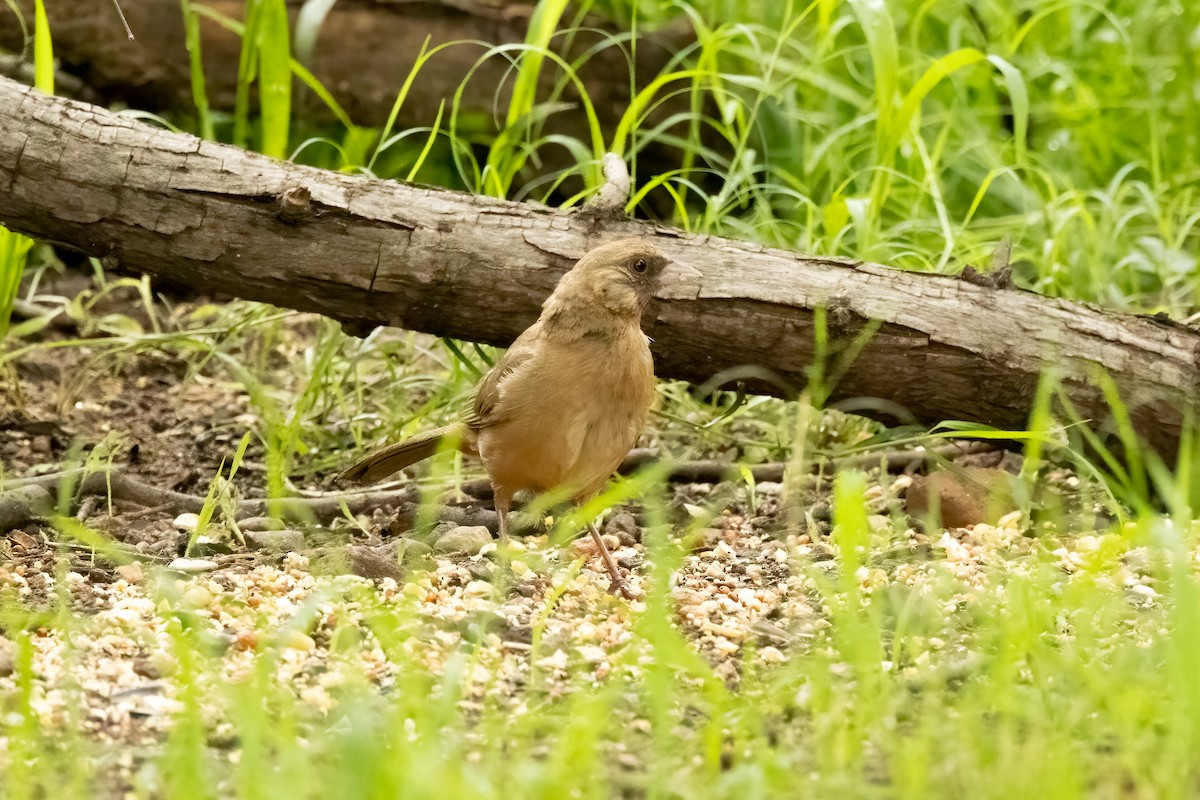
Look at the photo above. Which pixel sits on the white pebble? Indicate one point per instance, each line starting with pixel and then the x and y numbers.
pixel 186 522
pixel 478 589
pixel 771 655
pixel 192 566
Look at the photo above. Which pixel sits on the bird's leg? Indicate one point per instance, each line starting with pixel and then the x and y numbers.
pixel 502 501
pixel 618 585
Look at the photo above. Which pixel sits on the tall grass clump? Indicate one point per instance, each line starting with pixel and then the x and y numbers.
pixel 14 248
pixel 918 135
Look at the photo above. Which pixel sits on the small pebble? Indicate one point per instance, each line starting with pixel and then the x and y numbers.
pixel 192 566
pixel 478 589
pixel 162 663
pixel 131 572
pixel 197 597
pixel 296 640
pixel 771 655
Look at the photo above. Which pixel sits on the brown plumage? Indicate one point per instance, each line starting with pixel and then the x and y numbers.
pixel 562 407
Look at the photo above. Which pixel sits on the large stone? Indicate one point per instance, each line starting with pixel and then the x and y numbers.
pixel 285 541
pixel 21 505
pixel 963 496
pixel 375 563
pixel 463 540
pixel 414 555
pixel 261 524
pixel 367 561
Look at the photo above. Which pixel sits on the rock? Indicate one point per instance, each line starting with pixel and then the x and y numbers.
pixel 186 522
pixel 278 541
pixel 20 505
pixel 197 597
pixel 208 546
pixel 479 589
pixel 463 540
pixel 163 663
pixel 261 524
pixel 429 537
pixel 475 626
pixel 769 524
pixel 6 659
pixel 192 566
pixel 131 572
pixel 624 526
pixel 414 554
pixel 375 563
pixel 962 497
pixel 702 539
pixel 823 551
pixel 296 640
pixel 822 512
pixel 146 668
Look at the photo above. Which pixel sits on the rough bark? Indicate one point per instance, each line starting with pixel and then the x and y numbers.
pixel 379 252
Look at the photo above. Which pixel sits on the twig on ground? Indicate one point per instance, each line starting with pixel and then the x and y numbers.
pixel 87 507
pixel 131 490
pixel 716 471
pixel 24 499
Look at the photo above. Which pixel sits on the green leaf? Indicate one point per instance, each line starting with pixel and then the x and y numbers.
pixel 43 50
pixel 274 78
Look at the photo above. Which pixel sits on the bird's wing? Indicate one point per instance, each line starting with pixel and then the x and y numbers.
pixel 487 409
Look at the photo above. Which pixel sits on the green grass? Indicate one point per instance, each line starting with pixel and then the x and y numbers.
pixel 920 135
pixel 14 248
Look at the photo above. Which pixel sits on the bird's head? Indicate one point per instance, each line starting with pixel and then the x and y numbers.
pixel 619 277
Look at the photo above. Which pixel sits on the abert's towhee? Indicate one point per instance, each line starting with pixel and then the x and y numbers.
pixel 567 401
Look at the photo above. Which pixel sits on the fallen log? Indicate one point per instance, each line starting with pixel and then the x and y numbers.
pixel 371 252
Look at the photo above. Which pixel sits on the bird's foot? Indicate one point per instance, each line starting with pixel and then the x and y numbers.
pixel 619 588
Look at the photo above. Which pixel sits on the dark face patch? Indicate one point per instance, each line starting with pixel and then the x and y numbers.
pixel 644 270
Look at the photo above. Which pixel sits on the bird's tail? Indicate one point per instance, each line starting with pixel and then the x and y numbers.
pixel 396 457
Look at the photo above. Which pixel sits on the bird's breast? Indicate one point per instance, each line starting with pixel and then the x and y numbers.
pixel 571 415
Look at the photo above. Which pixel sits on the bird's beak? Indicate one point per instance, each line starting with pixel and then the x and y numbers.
pixel 679 282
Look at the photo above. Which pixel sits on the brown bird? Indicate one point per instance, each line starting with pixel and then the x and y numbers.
pixel 562 407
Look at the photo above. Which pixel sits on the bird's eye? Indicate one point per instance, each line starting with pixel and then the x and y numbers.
pixel 639 265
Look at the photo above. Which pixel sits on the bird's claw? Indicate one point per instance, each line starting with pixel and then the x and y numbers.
pixel 620 588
